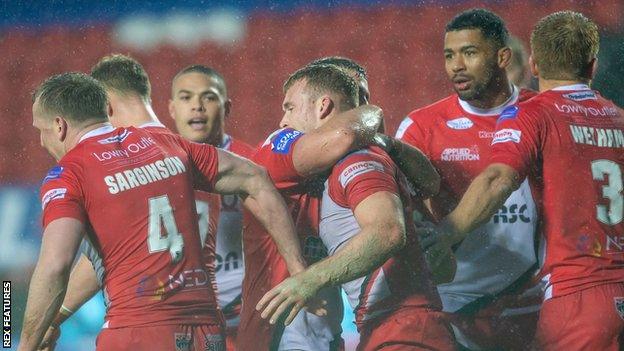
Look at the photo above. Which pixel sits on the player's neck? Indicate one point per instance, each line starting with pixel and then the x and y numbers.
pixel 73 138
pixel 494 97
pixel 549 84
pixel 136 113
pixel 216 140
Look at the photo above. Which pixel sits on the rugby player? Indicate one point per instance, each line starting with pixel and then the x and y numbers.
pixel 200 106
pixel 498 259
pixel 362 224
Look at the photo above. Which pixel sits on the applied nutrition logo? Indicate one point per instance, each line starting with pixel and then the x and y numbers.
pixel 453 154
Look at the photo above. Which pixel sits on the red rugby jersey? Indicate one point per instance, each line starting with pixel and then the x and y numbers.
pixel 569 141
pixel 134 188
pixel 404 279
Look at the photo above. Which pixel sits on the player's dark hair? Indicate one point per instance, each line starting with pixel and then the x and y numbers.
pixel 323 78
pixel 124 75
pixel 564 44
pixel 492 27
pixel 207 71
pixel 74 96
pixel 342 62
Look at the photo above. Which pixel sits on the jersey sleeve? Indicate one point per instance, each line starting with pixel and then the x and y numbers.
pixel 61 196
pixel 360 175
pixel 204 160
pixel 411 132
pixel 276 155
pixel 518 137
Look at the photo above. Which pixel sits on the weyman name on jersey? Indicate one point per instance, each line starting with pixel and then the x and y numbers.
pixel 149 173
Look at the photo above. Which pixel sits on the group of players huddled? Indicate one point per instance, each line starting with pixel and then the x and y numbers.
pixel 493 220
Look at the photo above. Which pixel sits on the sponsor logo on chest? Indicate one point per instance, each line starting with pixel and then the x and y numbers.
pixel 460 154
pixel 459 123
pixel 507 135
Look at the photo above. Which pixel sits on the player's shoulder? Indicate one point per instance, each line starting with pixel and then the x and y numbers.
pixel 429 116
pixel 281 140
pixel 440 108
pixel 362 161
pixel 58 181
pixel 526 94
pixel 241 148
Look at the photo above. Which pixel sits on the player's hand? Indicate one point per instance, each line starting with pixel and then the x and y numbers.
pixel 292 294
pixel 428 234
pixel 441 262
pixel 49 339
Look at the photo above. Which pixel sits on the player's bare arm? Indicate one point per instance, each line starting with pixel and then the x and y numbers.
pixel 81 287
pixel 485 195
pixel 239 175
pixel 382 233
pixel 48 284
pixel 318 150
pixel 413 163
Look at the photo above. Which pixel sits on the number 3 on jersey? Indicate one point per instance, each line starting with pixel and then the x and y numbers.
pixel 161 216
pixel 614 213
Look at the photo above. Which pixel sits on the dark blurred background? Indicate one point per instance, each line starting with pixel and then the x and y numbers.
pixel 255 44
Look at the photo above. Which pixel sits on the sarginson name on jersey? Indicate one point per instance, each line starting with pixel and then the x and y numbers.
pixel 150 173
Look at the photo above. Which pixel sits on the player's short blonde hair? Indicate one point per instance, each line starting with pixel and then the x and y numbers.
pixel 324 78
pixel 124 75
pixel 563 45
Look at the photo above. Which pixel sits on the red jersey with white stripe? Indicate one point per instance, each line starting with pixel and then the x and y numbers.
pixel 134 188
pixel 456 137
pixel 569 141
pixel 220 227
pixel 404 279
pixel 265 268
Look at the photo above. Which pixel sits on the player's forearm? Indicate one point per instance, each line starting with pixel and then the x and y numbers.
pixel 82 285
pixel 363 122
pixel 413 163
pixel 267 205
pixel 485 195
pixel 47 289
pixel 366 251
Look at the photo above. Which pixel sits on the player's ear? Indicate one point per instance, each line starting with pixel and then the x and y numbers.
pixel 60 127
pixel 592 66
pixel 504 57
pixel 533 66
pixel 227 106
pixel 171 110
pixel 109 109
pixel 325 106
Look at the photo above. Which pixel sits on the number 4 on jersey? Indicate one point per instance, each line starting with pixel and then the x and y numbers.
pixel 161 216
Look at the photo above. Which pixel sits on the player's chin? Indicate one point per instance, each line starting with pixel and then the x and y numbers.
pixel 467 94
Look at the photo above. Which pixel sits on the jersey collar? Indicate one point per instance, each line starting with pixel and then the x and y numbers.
pixel 513 99
pixel 106 128
pixel 572 87
pixel 152 124
pixel 226 142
